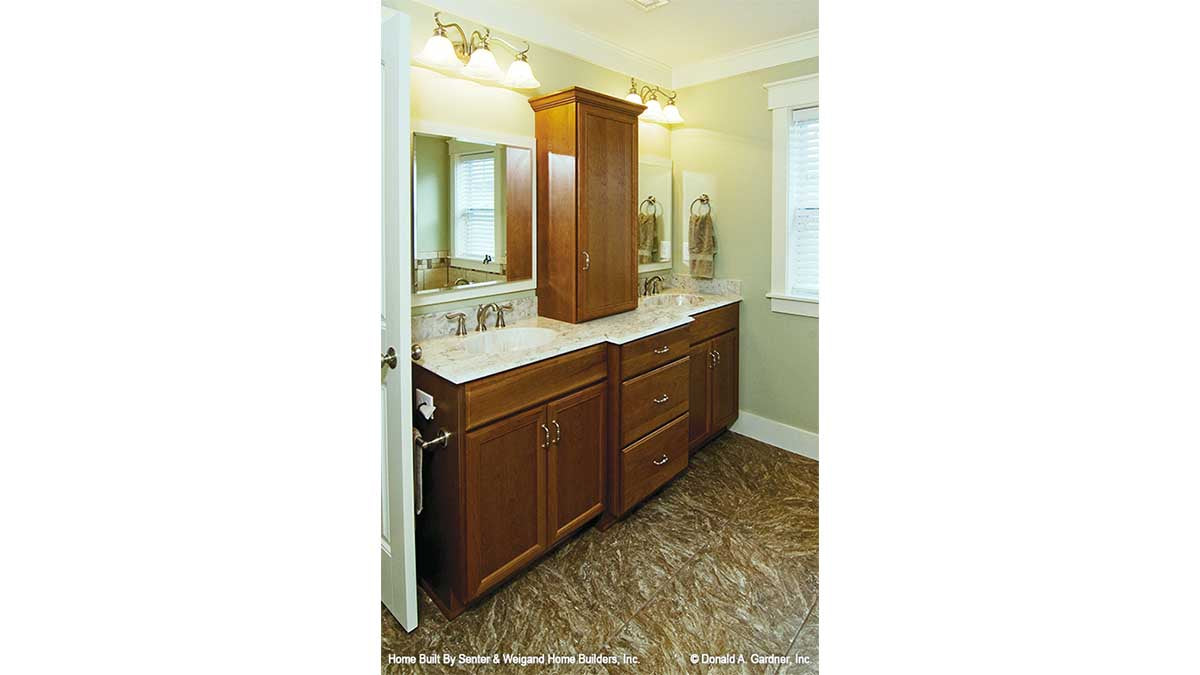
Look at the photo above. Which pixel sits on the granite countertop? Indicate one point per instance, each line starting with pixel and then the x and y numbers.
pixel 449 358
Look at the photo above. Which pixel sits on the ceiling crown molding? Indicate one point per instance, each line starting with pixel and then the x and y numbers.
pixel 557 35
pixel 765 55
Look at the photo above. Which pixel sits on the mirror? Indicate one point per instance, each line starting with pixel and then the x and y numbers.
pixel 472 219
pixel 654 214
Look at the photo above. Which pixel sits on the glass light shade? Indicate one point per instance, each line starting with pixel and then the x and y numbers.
pixel 671 114
pixel 439 53
pixel 483 66
pixel 654 112
pixel 633 97
pixel 520 76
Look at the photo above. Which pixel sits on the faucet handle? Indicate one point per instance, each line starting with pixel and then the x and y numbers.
pixel 500 310
pixel 461 328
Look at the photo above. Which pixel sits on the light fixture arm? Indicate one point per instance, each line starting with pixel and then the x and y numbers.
pixel 464 46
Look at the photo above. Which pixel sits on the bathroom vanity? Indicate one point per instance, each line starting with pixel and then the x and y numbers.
pixel 576 415
pixel 577 430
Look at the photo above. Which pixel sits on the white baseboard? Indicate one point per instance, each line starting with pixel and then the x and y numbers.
pixel 792 439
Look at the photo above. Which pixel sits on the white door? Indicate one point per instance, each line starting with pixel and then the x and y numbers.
pixel 398 542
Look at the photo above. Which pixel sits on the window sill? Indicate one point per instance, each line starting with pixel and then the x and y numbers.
pixel 791 304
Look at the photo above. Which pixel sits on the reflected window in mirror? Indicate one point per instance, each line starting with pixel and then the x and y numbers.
pixel 472 208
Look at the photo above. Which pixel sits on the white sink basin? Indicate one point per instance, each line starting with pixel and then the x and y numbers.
pixel 508 340
pixel 672 300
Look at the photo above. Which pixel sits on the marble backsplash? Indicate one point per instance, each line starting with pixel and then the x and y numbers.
pixel 435 324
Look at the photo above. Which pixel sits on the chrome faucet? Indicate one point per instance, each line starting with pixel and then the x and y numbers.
pixel 460 328
pixel 481 315
pixel 653 285
pixel 500 310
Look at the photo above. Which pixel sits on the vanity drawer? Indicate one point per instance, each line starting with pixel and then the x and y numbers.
pixel 653 351
pixel 653 399
pixel 514 390
pixel 714 322
pixel 652 461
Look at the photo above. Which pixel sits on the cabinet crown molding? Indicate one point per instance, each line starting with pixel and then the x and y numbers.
pixel 581 95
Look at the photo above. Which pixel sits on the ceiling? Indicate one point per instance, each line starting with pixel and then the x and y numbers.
pixel 685 31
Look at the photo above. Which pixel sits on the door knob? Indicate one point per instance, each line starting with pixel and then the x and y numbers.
pixel 388 360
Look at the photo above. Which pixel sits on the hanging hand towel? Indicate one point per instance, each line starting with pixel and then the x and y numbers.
pixel 647 237
pixel 702 246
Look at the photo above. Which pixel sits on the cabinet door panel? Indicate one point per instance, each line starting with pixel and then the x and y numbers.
pixel 505 467
pixel 607 203
pixel 575 461
pixel 725 380
pixel 698 388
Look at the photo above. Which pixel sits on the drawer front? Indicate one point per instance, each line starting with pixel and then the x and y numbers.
pixel 714 322
pixel 652 461
pixel 651 400
pixel 505 393
pixel 651 352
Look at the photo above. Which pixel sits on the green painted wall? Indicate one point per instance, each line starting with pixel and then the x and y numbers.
pixel 728 135
pixel 431 194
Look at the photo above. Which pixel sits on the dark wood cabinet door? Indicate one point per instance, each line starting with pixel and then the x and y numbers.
pixel 505 472
pixel 698 389
pixel 607 257
pixel 725 380
pixel 575 460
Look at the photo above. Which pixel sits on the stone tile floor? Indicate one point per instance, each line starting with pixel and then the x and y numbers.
pixel 723 560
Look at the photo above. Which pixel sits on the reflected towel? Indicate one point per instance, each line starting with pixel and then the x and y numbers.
pixel 702 246
pixel 647 238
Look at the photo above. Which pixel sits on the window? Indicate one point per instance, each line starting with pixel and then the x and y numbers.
pixel 803 211
pixel 795 211
pixel 475 206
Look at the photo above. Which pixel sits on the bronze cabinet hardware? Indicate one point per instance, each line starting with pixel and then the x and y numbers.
pixel 662 350
pixel 587 261
pixel 557 431
pixel 546 430
pixel 661 460
pixel 388 360
pixel 662 399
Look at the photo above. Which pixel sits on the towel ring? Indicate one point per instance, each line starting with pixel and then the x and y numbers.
pixel 655 207
pixel 703 199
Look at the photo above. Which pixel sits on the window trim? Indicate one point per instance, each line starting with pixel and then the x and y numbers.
pixel 783 97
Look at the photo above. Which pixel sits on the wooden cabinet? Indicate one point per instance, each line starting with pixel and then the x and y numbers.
pixel 575 489
pixel 587 154
pixel 505 497
pixel 525 467
pixel 713 384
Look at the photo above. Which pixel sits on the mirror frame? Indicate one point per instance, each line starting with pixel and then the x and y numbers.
pixel 656 160
pixel 495 138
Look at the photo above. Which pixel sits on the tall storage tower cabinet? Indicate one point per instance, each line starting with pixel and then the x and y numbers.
pixel 587 162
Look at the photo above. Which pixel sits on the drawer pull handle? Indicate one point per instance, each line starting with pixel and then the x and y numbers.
pixel 662 350
pixel 557 431
pixel 546 429
pixel 661 460
pixel 712 359
pixel 662 399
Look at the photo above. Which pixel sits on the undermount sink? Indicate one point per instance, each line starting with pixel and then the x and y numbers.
pixel 508 340
pixel 672 300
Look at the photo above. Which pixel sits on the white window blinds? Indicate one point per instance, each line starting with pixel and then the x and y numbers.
pixel 475 206
pixel 803 218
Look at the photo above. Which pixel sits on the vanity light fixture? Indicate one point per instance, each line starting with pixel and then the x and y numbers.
pixel 475 52
pixel 655 111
